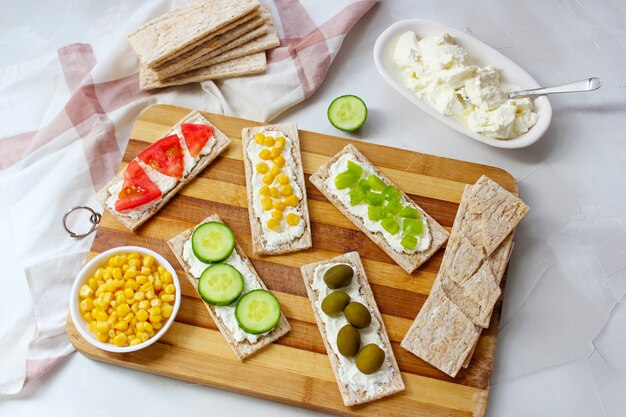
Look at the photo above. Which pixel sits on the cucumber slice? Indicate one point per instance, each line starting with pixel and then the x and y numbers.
pixel 220 284
pixel 212 242
pixel 347 113
pixel 257 312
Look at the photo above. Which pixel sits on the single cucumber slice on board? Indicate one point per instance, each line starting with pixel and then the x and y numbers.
pixel 212 242
pixel 257 311
pixel 347 113
pixel 220 284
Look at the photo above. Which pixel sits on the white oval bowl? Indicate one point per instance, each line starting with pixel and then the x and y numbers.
pixel 482 55
pixel 89 270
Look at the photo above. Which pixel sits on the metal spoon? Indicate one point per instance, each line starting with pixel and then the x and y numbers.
pixel 588 84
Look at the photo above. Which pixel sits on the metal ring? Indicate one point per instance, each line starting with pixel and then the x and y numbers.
pixel 94 219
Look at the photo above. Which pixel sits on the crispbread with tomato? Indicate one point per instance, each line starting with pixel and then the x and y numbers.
pixel 147 183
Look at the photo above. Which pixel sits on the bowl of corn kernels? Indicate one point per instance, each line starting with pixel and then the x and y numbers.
pixel 125 299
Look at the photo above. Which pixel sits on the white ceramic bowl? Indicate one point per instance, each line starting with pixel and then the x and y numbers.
pixel 89 269
pixel 483 55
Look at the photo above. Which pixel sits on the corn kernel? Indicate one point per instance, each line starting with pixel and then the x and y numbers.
pixel 272 224
pixel 259 138
pixel 85 291
pixel 131 272
pixel 262 168
pixel 282 179
pixel 102 326
pixel 122 310
pixel 277 215
pixel 135 308
pixel 166 310
pixel 155 310
pixel 116 273
pixel 144 304
pixel 147 286
pixel 161 269
pixel 280 142
pixel 168 297
pixel 291 201
pixel 88 317
pixel 264 154
pixel 112 260
pixel 275 152
pixel 91 282
pixel 135 262
pixel 142 315
pixel 269 141
pixel 293 219
pixel 120 298
pixel 275 170
pixel 274 192
pixel 103 337
pixel 131 283
pixel 170 289
pixel 154 319
pixel 286 190
pixel 86 305
pixel 129 293
pixel 141 279
pixel 166 277
pixel 280 161
pixel 147 327
pixel 120 260
pixel 108 297
pixel 278 205
pixel 119 340
pixel 155 303
pixel 125 267
pixel 143 336
pixel 157 325
pixel 266 203
pixel 134 255
pixel 146 271
pixel 121 325
pixel 150 294
pixel 92 326
pixel 268 179
pixel 99 273
pixel 110 285
pixel 264 190
pixel 158 284
pixel 148 261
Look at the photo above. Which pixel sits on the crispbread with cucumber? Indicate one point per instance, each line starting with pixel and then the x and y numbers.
pixel 360 352
pixel 277 202
pixel 376 206
pixel 245 312
pixel 165 160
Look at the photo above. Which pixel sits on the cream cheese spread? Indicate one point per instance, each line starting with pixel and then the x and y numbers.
pixel 360 210
pixel 226 313
pixel 349 374
pixel 276 238
pixel 441 73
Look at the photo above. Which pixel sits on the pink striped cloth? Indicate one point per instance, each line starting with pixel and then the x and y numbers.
pixel 69 118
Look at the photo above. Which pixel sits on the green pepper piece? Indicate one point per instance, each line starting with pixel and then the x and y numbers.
pixel 409 213
pixel 409 242
pixel 376 183
pixel 413 227
pixel 390 224
pixel 356 168
pixel 346 179
pixel 356 196
pixel 364 185
pixel 374 199
pixel 375 213
pixel 391 193
pixel 393 207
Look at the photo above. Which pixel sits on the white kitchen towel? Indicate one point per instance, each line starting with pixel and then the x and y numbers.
pixel 63 137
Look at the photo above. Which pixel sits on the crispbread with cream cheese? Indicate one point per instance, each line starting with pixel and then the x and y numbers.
pixel 290 130
pixel 246 65
pixel 241 349
pixel 178 31
pixel 408 261
pixel 222 142
pixel 350 397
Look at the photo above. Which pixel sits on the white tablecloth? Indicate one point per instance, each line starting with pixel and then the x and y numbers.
pixel 561 349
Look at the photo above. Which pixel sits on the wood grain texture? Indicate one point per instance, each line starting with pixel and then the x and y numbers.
pixel 295 370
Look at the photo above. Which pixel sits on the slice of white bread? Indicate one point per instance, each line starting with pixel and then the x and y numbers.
pixel 349 396
pixel 131 223
pixel 259 244
pixel 241 349
pixel 408 261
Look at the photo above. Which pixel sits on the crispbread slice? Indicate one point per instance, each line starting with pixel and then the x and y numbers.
pixel 241 349
pixel 350 397
pixel 408 261
pixel 441 334
pixel 490 214
pixel 247 65
pixel 222 142
pixel 461 259
pixel 200 54
pixel 180 30
pixel 474 296
pixel 258 245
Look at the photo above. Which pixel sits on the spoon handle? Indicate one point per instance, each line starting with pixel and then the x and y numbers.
pixel 588 84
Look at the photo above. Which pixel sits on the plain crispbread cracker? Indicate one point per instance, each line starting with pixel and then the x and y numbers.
pixel 441 334
pixel 221 142
pixel 199 56
pixel 242 349
pixel 247 65
pixel 180 30
pixel 350 397
pixel 408 261
pixel 290 130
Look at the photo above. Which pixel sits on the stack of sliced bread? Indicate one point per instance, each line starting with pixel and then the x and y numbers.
pixel 204 40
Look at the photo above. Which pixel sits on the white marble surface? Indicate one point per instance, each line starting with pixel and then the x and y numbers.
pixel 561 349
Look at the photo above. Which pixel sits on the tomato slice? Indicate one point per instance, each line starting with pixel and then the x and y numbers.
pixel 165 155
pixel 196 136
pixel 137 190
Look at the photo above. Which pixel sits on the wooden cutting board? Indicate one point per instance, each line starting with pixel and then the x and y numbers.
pixel 296 370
